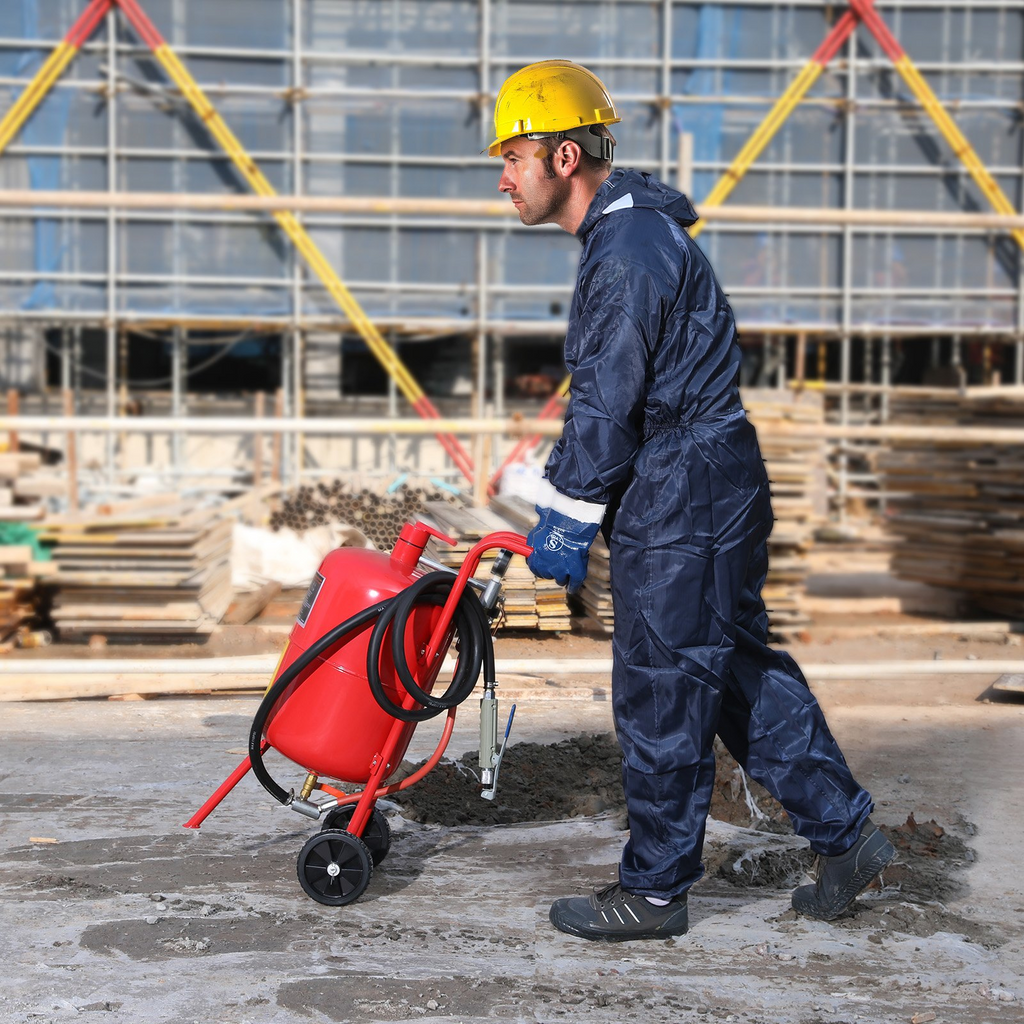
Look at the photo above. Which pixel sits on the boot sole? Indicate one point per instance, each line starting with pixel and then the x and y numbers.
pixel 571 928
pixel 858 882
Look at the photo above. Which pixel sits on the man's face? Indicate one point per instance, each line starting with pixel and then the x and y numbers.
pixel 535 188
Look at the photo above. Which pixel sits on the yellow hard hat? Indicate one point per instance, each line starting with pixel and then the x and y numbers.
pixel 549 97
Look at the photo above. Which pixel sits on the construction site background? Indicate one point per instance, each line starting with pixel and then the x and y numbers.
pixel 260 299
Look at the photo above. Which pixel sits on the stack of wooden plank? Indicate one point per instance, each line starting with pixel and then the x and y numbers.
pixel 796 471
pixel 154 567
pixel 23 485
pixel 596 593
pixel 552 609
pixel 529 603
pixel 958 513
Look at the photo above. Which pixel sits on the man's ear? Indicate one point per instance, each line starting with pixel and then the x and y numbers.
pixel 567 158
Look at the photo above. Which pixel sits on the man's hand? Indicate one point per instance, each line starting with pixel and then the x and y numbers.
pixel 561 548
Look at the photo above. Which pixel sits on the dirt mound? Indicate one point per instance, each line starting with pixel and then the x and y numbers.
pixel 581 776
pixel 578 776
pixel 928 860
pixel 573 778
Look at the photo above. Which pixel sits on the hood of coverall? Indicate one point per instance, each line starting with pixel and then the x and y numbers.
pixel 625 188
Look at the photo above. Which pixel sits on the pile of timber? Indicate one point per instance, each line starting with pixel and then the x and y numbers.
pixel 796 472
pixel 18 575
pixel 529 603
pixel 595 594
pixel 549 598
pixel 958 507
pixel 153 568
pixel 24 484
pixel 796 467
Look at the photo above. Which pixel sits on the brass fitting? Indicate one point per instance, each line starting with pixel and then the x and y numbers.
pixel 308 786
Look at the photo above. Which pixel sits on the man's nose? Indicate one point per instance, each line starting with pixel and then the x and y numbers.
pixel 505 183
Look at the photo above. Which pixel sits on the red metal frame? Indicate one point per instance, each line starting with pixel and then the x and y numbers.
pixel 439 640
pixel 222 791
pixel 86 24
pixel 365 799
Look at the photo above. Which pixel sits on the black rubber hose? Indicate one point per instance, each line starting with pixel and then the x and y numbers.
pixel 476 650
pixel 470 622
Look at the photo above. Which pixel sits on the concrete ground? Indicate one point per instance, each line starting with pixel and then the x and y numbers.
pixel 109 910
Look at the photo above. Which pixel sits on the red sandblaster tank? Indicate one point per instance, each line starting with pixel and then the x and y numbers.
pixel 329 721
pixel 356 677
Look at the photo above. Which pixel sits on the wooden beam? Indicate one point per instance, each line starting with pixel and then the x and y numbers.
pixel 35 199
pixel 370 426
pixel 12 410
pixel 39 679
pixel 246 607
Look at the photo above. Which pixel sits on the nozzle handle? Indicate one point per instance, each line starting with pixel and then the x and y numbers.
pixel 488 794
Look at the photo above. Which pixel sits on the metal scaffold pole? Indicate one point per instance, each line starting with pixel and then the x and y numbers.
pixel 179 364
pixel 297 443
pixel 849 142
pixel 112 252
pixel 298 403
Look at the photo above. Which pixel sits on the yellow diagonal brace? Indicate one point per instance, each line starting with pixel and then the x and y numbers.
pixel 288 221
pixel 957 140
pixel 755 145
pixel 53 67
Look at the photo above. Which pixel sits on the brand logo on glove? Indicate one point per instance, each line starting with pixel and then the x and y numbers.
pixel 554 541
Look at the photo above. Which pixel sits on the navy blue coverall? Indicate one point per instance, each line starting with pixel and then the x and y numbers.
pixel 656 431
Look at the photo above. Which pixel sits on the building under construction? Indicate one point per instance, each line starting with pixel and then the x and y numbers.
pixel 184 311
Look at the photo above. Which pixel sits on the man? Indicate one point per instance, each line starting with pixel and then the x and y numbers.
pixel 657 447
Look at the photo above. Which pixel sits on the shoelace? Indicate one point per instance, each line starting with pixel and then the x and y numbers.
pixel 608 892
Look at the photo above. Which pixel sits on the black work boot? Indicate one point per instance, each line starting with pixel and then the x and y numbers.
pixel 612 914
pixel 842 878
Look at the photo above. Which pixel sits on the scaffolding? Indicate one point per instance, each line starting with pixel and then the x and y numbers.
pixel 393 98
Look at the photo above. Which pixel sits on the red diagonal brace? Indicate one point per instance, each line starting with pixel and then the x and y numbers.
pixel 865 10
pixel 85 26
pixel 551 409
pixel 841 31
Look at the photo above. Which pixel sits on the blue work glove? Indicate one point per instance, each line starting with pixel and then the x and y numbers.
pixel 560 541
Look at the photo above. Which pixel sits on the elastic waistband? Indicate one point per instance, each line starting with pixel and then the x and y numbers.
pixel 692 423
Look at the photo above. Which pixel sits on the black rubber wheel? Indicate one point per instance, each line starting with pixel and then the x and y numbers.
pixel 376 835
pixel 334 867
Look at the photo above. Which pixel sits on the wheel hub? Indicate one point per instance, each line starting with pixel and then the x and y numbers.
pixel 334 867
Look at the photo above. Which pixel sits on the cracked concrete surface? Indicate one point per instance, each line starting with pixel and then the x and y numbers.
pixel 128 917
